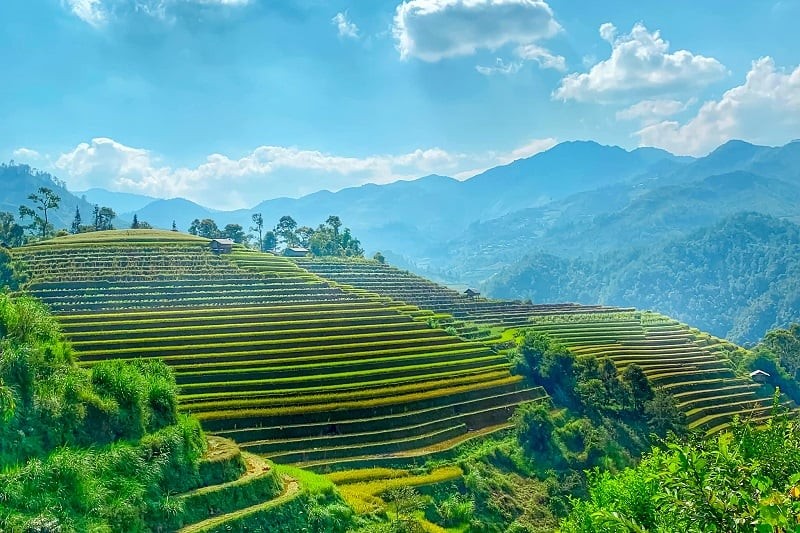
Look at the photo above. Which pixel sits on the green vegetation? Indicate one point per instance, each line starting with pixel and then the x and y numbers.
pixel 747 479
pixel 80 449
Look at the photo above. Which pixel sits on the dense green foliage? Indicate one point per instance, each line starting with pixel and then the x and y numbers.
pixel 744 480
pixel 736 280
pixel 597 395
pixel 85 450
pixel 10 275
pixel 56 403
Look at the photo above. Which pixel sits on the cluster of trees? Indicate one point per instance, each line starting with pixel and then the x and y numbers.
pixel 601 408
pixel 328 239
pixel 102 220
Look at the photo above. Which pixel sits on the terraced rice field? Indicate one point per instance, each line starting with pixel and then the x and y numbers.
pixel 288 365
pixel 690 365
pixel 673 356
pixel 373 277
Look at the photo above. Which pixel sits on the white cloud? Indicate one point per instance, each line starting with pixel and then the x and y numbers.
pixel 652 110
pixel 98 13
pixel 266 172
pixel 527 52
pixel 26 154
pixel 765 109
pixel 89 11
pixel 345 27
pixel 545 58
pixel 640 63
pixel 431 30
pixel 499 67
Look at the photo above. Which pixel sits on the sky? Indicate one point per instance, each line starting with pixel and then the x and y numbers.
pixel 231 102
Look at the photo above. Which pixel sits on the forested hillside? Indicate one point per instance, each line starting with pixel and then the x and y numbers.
pixel 19 181
pixel 736 279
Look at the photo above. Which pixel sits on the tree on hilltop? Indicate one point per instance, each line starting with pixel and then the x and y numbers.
pixel 44 200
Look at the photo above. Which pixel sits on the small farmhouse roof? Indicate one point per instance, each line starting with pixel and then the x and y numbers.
pixel 298 249
pixel 224 242
pixel 471 292
pixel 759 373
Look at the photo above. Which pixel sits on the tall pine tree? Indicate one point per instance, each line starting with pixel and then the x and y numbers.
pixel 76 222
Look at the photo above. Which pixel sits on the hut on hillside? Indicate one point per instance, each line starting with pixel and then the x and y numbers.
pixel 221 246
pixel 296 251
pixel 471 293
pixel 759 376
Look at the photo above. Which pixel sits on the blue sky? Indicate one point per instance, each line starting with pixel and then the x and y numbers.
pixel 234 101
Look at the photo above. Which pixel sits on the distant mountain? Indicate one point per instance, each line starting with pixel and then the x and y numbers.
pixel 635 213
pixel 565 169
pixel 120 202
pixel 410 217
pixel 736 279
pixel 161 213
pixel 18 181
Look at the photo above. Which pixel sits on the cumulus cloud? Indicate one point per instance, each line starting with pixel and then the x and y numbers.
pixel 98 13
pixel 266 172
pixel 528 52
pixel 765 109
pixel 652 110
pixel 431 30
pixel 545 58
pixel 640 63
pixel 345 27
pixel 26 154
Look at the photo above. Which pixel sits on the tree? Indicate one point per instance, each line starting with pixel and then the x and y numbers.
pixel 285 230
pixel 135 224
pixel 304 234
pixel 270 241
pixel 76 222
pixel 174 226
pixel 258 225
pixel 103 217
pixel 194 228
pixel 11 233
pixel 207 228
pixel 234 232
pixel 43 200
pixel 638 384
pixel 534 426
pixel 379 258
pixel 405 502
pixel 663 414
pixel 334 223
